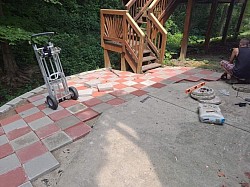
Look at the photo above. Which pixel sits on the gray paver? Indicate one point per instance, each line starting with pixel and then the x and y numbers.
pixel 39 102
pixel 67 122
pixel 106 97
pixel 57 141
pixel 86 92
pixel 102 107
pixel 24 140
pixel 9 163
pixel 127 97
pixel 4 108
pixel 129 89
pixel 27 184
pixel 14 125
pixel 76 108
pixel 49 111
pixel 40 165
pixel 26 95
pixel 14 102
pixel 84 98
pixel 40 123
pixel 29 112
pixel 3 140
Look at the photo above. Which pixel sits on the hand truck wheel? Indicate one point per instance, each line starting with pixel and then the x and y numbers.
pixel 74 93
pixel 52 102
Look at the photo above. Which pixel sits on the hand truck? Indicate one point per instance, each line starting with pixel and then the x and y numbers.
pixel 52 71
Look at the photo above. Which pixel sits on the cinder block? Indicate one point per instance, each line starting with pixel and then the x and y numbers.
pixel 3 140
pixel 57 141
pixel 42 122
pixel 14 125
pixel 24 140
pixel 105 87
pixel 9 163
pixel 40 165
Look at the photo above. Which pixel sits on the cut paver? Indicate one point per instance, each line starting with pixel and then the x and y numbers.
pixel 5 150
pixel 26 184
pixel 67 122
pixel 39 123
pixel 3 140
pixel 14 125
pixel 102 107
pixel 47 131
pixel 9 163
pixel 40 165
pixel 57 141
pixel 78 131
pixel 24 140
pixel 76 108
pixel 105 87
pixel 13 178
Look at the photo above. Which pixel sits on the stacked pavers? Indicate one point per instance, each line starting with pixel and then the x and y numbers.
pixel 28 137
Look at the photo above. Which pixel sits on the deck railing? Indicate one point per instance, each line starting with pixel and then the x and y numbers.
pixel 158 8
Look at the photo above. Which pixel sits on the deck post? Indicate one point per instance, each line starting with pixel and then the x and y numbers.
pixel 106 59
pixel 210 23
pixel 123 62
pixel 236 33
pixel 184 41
pixel 229 15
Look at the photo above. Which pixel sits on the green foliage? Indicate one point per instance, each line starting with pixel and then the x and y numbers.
pixel 13 35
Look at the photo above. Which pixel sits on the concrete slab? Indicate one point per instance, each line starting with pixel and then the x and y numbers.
pixel 40 165
pixel 24 140
pixel 57 141
pixel 14 125
pixel 39 123
pixel 9 163
pixel 157 140
pixel 67 122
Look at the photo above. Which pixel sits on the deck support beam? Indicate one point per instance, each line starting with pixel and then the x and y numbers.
pixel 243 8
pixel 184 41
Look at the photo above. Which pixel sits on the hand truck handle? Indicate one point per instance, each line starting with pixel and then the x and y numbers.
pixel 41 34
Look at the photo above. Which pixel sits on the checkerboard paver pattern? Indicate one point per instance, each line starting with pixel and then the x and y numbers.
pixel 28 137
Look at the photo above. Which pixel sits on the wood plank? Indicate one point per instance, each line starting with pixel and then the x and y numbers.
pixel 243 8
pixel 150 66
pixel 148 58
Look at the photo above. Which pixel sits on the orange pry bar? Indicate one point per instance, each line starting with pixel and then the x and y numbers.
pixel 189 90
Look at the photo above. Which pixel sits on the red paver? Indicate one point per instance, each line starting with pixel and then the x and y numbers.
pixel 36 98
pixel 68 103
pixel 175 79
pixel 78 131
pixel 158 85
pixel 193 78
pixel 118 93
pixel 211 78
pixel 138 80
pixel 13 178
pixel 5 150
pixel 98 94
pixel 206 72
pixel 59 115
pixel 10 119
pixel 120 86
pixel 34 150
pixel 139 92
pixel 139 86
pixel 42 106
pixel 24 107
pixel 87 115
pixel 18 132
pixel 34 117
pixel 1 131
pixel 81 88
pixel 47 131
pixel 115 101
pixel 92 102
pixel 157 79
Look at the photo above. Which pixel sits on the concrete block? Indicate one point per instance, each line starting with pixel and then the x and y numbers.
pixel 92 83
pixel 105 87
pixel 24 140
pixel 26 184
pixel 76 108
pixel 42 122
pixel 9 163
pixel 37 90
pixel 5 108
pixel 14 125
pixel 26 95
pixel 40 165
pixel 29 112
pixel 86 92
pixel 57 141
pixel 3 140
pixel 15 101
pixel 67 122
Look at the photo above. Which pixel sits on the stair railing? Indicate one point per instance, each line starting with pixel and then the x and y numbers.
pixel 136 8
pixel 156 33
pixel 118 26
